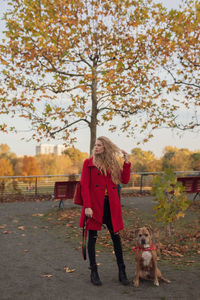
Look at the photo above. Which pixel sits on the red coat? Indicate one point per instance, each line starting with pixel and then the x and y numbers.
pixel 93 186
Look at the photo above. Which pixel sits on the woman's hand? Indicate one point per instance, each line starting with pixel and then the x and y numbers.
pixel 88 212
pixel 125 154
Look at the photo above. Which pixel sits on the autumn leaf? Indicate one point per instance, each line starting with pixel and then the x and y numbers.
pixel 15 221
pixel 46 276
pixel 21 227
pixel 37 215
pixel 3 226
pixel 68 270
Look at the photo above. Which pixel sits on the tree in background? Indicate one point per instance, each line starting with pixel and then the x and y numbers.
pixel 4 149
pixel 30 166
pixel 5 152
pixel 46 163
pixel 144 161
pixel 64 165
pixel 71 162
pixel 195 161
pixel 84 63
pixel 176 159
pixel 6 168
pixel 77 157
pixel 51 164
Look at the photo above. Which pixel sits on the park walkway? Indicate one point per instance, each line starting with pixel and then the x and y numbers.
pixel 34 256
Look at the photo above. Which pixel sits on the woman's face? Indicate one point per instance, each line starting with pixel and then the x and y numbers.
pixel 98 147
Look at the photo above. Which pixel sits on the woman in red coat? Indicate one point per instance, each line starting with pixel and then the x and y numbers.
pixel 100 176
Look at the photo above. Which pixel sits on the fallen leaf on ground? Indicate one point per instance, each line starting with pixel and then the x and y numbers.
pixel 5 232
pixel 47 275
pixel 3 226
pixel 21 227
pixel 37 215
pixel 68 270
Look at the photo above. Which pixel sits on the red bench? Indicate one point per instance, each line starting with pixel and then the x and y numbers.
pixel 191 184
pixel 64 190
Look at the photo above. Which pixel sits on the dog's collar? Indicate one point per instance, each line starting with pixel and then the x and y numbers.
pixel 153 247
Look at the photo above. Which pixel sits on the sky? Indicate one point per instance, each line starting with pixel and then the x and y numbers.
pixel 162 137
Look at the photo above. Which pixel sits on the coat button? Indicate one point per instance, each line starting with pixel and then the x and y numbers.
pixel 97 185
pixel 113 187
pixel 98 173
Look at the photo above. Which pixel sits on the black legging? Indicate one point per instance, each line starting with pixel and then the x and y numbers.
pixel 115 237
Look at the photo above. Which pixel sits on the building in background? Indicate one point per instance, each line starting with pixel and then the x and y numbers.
pixel 50 149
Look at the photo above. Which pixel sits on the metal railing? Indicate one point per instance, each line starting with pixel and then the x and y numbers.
pixel 38 185
pixel 35 185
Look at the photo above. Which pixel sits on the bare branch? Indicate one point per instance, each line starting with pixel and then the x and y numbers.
pixel 179 82
pixel 56 70
pixel 68 125
pixel 122 111
pixel 85 61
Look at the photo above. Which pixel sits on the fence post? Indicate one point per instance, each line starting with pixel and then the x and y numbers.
pixel 35 186
pixel 141 183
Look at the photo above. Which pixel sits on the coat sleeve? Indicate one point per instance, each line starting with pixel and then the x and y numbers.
pixel 126 172
pixel 85 184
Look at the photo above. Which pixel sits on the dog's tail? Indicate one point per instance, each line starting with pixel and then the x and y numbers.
pixel 164 279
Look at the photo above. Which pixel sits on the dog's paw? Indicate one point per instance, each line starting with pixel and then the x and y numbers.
pixel 136 283
pixel 156 283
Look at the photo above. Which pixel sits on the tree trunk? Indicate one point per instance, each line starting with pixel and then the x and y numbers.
pixel 170 228
pixel 94 112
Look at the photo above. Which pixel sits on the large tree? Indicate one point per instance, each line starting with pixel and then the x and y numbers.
pixel 181 62
pixel 84 62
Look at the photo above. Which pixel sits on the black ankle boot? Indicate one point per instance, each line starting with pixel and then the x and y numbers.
pixel 95 276
pixel 122 275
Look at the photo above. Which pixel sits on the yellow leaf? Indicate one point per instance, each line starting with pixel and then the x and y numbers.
pixel 68 270
pixel 180 215
pixel 38 215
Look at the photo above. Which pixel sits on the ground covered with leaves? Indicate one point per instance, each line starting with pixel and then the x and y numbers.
pixel 41 254
pixel 181 249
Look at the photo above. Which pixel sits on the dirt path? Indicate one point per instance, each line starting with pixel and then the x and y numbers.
pixel 33 255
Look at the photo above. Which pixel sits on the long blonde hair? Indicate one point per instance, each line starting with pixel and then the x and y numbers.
pixel 107 161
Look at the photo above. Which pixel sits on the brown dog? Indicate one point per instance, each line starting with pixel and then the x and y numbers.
pixel 146 257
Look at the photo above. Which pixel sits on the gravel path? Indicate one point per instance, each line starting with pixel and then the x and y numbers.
pixel 34 255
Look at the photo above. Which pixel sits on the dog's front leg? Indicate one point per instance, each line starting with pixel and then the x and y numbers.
pixel 137 275
pixel 155 270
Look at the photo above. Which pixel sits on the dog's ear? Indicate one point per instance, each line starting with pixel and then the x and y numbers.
pixel 149 229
